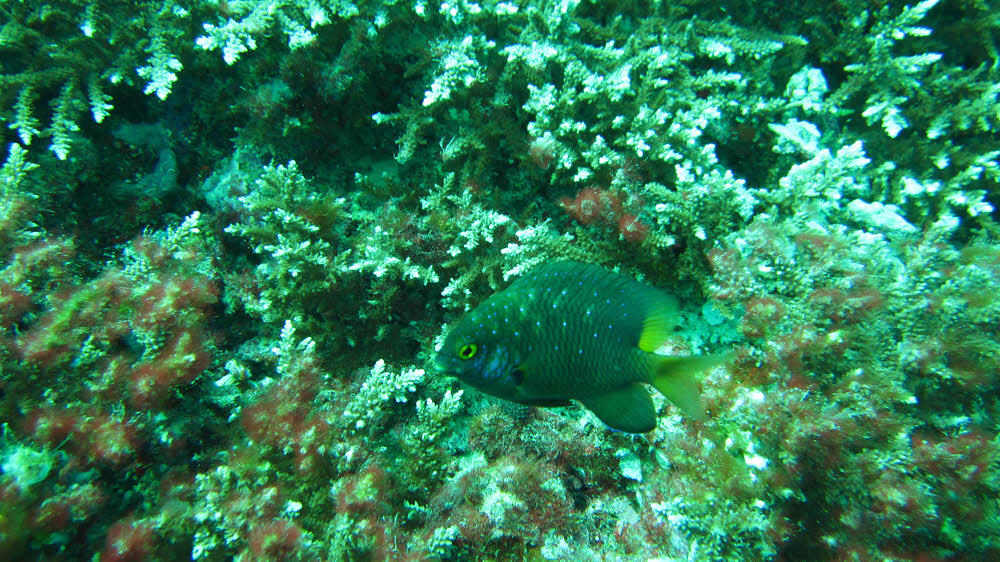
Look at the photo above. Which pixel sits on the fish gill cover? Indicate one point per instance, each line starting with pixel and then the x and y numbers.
pixel 235 235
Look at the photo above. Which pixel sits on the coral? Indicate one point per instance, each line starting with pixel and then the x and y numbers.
pixel 422 439
pixel 94 436
pixel 26 466
pixel 79 504
pixel 895 78
pixel 274 540
pixel 367 405
pixel 13 210
pixel 129 540
pixel 305 262
pixel 157 300
pixel 631 228
pixel 592 204
pixel 232 233
pixel 81 50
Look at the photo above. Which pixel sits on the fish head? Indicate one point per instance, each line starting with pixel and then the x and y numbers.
pixel 480 360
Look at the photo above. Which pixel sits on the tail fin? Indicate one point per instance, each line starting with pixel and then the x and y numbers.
pixel 676 378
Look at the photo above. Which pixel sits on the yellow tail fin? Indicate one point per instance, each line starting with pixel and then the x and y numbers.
pixel 676 378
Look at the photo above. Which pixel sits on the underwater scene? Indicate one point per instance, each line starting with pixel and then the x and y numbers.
pixel 349 280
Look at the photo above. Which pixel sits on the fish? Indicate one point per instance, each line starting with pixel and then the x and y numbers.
pixel 571 331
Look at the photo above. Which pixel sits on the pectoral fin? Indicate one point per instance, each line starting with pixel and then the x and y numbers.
pixel 629 408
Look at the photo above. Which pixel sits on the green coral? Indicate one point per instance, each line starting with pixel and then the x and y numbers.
pixel 69 46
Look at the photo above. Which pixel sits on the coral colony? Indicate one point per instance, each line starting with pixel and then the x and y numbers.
pixel 236 237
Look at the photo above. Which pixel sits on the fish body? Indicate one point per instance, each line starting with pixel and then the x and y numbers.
pixel 574 331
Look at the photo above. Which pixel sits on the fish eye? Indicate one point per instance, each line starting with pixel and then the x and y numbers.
pixel 467 351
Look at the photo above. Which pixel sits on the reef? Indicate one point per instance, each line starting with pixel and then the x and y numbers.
pixel 233 233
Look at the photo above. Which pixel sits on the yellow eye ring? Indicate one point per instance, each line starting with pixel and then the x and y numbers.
pixel 467 351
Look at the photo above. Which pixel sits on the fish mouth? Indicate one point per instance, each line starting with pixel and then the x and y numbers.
pixel 441 365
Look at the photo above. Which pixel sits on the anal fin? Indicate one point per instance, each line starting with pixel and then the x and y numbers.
pixel 629 409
